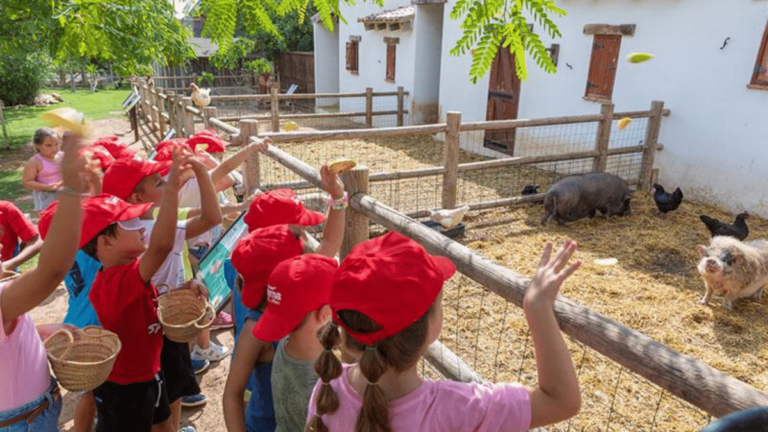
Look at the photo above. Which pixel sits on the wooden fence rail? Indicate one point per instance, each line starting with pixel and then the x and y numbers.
pixel 683 376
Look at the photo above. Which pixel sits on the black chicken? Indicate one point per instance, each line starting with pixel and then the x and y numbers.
pixel 739 229
pixel 665 201
pixel 530 190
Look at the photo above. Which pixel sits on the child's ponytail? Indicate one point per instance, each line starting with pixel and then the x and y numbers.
pixel 374 414
pixel 328 367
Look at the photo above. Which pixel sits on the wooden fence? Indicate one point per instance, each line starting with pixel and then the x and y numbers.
pixel 681 375
pixel 297 68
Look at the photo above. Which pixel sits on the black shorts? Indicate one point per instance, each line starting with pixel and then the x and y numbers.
pixel 131 407
pixel 176 364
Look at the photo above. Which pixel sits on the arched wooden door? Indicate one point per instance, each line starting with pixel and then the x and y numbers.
pixel 503 101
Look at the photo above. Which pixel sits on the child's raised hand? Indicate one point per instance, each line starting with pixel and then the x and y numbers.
pixel 72 164
pixel 331 182
pixel 261 145
pixel 196 287
pixel 181 159
pixel 551 274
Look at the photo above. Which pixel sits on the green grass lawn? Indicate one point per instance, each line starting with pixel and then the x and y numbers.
pixel 22 123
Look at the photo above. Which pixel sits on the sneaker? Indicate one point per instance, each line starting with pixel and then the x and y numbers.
pixel 223 321
pixel 193 401
pixel 187 429
pixel 200 365
pixel 213 353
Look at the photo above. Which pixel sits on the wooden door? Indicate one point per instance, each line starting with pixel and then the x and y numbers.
pixel 602 66
pixel 503 101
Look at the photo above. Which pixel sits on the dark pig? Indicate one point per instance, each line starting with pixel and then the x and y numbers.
pixel 579 196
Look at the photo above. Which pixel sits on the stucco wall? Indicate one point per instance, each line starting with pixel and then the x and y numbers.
pixel 715 140
pixel 425 94
pixel 326 62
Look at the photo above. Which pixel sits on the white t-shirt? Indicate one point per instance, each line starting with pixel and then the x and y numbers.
pixel 171 273
pixel 189 197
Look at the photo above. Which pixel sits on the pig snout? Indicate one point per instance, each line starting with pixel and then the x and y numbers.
pixel 711 265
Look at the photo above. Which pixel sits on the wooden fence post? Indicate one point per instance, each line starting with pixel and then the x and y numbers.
pixel 357 230
pixel 208 113
pixel 369 107
pixel 189 118
pixel 451 159
pixel 252 172
pixel 651 141
pixel 5 131
pixel 400 105
pixel 160 109
pixel 603 139
pixel 275 107
pixel 152 108
pixel 171 96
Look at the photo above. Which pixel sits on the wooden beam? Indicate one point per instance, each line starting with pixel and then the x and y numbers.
pixel 681 375
pixel 603 138
pixel 651 139
pixel 357 228
pixel 451 160
pixel 311 115
pixel 390 132
pixel 391 40
pixel 609 29
pixel 252 166
pixel 505 162
pixel 511 124
pixel 449 364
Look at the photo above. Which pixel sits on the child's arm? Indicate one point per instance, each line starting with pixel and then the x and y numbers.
pixel 333 234
pixel 164 231
pixel 247 353
pixel 210 215
pixel 557 397
pixel 28 178
pixel 231 163
pixel 31 249
pixel 58 252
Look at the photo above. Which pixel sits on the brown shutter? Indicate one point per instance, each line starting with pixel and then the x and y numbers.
pixel 391 62
pixel 603 65
pixel 349 56
pixel 355 50
pixel 760 74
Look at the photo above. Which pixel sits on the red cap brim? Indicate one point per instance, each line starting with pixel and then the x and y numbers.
pixel 444 266
pixel 254 292
pixel 273 326
pixel 310 218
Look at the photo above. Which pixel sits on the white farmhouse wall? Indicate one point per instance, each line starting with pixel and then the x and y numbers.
pixel 326 63
pixel 715 139
pixel 372 61
pixel 425 93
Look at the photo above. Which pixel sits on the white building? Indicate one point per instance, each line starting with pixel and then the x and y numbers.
pixel 705 70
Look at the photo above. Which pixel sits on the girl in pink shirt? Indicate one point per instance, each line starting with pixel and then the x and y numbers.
pixel 42 174
pixel 28 394
pixel 386 297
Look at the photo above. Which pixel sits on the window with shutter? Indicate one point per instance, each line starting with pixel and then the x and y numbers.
pixel 602 66
pixel 391 62
pixel 760 74
pixel 352 47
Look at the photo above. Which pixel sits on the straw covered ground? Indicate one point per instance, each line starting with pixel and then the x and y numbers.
pixel 653 288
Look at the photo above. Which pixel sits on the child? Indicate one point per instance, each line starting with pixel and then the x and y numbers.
pixel 386 297
pixel 298 294
pixel 255 257
pixel 134 397
pixel 42 174
pixel 137 181
pixel 19 238
pixel 29 396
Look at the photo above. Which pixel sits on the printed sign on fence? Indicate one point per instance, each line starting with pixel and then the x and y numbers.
pixel 211 271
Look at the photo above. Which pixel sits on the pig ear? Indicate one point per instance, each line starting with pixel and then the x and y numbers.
pixel 702 250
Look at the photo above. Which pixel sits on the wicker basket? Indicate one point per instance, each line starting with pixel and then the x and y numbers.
pixel 84 361
pixel 229 219
pixel 8 275
pixel 183 314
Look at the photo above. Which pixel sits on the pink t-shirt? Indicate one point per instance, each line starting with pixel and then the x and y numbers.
pixel 438 406
pixel 23 364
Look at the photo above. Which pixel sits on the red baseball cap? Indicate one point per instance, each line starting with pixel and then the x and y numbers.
pixel 99 212
pixel 116 147
pixel 209 137
pixel 280 206
pixel 257 254
pixel 296 287
pixel 125 174
pixel 392 280
pixel 100 154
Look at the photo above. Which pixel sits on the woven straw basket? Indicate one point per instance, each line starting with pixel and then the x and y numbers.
pixel 183 314
pixel 82 362
pixel 230 219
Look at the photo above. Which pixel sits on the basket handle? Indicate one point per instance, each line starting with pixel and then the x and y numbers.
pixel 87 330
pixel 71 343
pixel 208 307
pixel 169 288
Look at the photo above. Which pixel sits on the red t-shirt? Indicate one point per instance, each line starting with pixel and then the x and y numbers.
pixel 128 307
pixel 16 229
